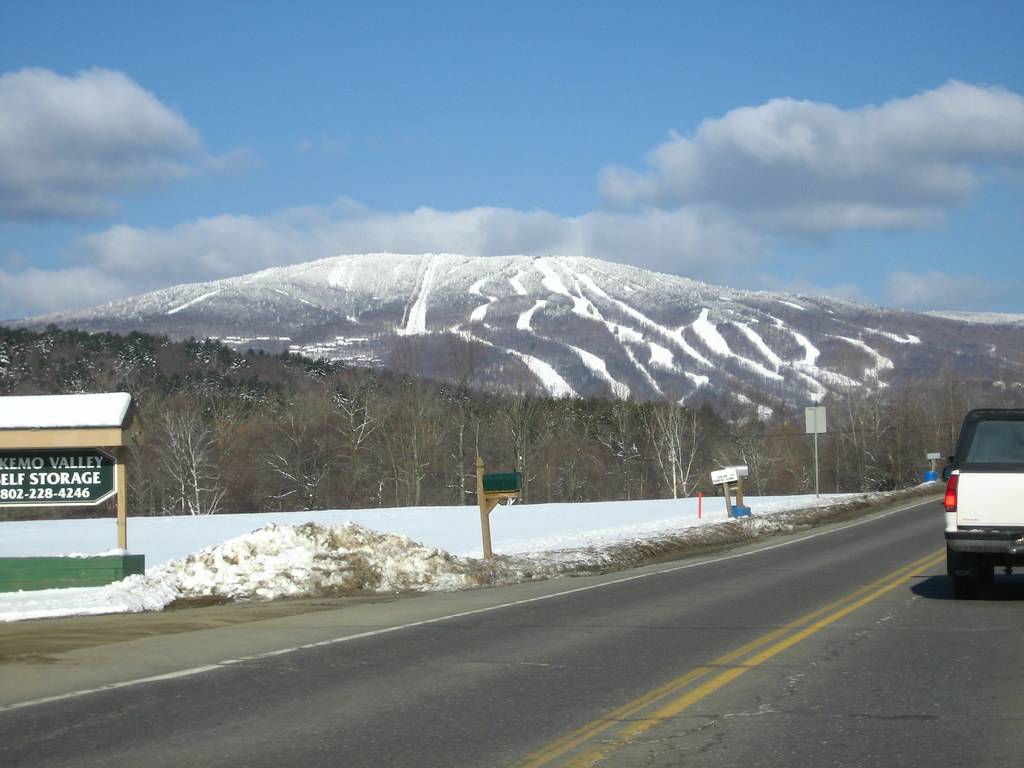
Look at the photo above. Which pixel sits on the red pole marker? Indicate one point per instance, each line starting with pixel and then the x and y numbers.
pixel 700 505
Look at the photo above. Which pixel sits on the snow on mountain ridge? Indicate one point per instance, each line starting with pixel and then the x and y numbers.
pixel 568 324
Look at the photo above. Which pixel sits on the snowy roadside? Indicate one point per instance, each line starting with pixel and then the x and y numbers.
pixel 322 556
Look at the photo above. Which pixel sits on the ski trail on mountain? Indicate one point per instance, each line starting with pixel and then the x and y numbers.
pixel 643 371
pixel 908 339
pixel 661 357
pixel 762 346
pixel 478 314
pixel 708 333
pixel 811 352
pixel 697 379
pixel 882 363
pixel 416 323
pixel 599 368
pixel 816 390
pixel 803 368
pixel 516 282
pixel 622 333
pixel 196 300
pixel 675 336
pixel 550 279
pixel 525 320
pixel 792 304
pixel 549 378
pixel 341 276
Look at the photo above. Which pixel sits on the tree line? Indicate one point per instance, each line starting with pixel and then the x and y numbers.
pixel 219 431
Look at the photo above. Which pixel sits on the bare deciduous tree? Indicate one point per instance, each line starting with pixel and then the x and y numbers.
pixel 189 464
pixel 674 435
pixel 300 456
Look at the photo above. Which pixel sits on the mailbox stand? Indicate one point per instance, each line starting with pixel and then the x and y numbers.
pixel 725 478
pixel 728 499
pixel 490 489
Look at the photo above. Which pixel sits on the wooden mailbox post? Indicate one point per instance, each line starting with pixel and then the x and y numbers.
pixel 490 489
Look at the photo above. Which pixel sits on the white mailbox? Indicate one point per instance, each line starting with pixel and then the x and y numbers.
pixel 727 475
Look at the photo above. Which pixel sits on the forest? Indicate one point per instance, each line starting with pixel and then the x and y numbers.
pixel 219 431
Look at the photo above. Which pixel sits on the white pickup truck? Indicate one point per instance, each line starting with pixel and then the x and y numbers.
pixel 985 499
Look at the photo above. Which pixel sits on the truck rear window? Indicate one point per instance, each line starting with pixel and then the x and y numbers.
pixel 997 442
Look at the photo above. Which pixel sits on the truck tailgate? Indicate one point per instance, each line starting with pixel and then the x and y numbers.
pixel 990 499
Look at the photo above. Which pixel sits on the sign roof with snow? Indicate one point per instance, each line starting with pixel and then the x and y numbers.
pixel 65 411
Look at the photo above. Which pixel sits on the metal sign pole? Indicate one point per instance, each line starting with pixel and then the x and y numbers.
pixel 815 421
pixel 817 488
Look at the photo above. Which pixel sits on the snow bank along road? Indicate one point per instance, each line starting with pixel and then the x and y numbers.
pixel 836 647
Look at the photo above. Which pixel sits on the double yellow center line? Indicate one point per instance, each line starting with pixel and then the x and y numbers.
pixel 582 747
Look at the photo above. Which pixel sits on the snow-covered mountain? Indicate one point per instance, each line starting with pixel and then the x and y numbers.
pixel 567 325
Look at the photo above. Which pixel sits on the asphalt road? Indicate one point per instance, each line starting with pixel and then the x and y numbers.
pixel 841 647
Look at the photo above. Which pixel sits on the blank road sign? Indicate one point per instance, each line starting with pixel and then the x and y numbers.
pixel 815 417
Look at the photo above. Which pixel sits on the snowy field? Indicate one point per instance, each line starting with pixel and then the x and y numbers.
pixel 263 556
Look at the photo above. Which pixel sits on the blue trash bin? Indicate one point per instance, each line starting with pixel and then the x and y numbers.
pixel 738 511
pixel 931 476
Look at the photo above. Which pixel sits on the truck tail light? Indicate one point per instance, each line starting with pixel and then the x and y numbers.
pixel 950 500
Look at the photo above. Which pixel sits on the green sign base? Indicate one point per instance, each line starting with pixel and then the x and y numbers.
pixel 31 573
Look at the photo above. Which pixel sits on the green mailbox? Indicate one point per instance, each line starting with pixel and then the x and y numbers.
pixel 503 482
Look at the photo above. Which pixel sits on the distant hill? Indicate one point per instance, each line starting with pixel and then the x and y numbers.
pixel 986 318
pixel 565 325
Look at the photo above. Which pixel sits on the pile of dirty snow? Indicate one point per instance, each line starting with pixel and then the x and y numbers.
pixel 285 560
pixel 271 562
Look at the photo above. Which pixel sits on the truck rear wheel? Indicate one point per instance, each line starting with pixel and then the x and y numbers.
pixel 965 571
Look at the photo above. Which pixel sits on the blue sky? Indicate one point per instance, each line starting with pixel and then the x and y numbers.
pixel 872 151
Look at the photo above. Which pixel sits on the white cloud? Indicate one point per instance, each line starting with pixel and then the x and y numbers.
pixel 708 207
pixel 804 287
pixel 31 291
pixel 934 290
pixel 803 166
pixel 124 260
pixel 68 145
pixel 229 245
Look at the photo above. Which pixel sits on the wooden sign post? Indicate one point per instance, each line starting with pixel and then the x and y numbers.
pixel 66 450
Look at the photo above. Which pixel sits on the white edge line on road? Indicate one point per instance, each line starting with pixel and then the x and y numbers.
pixel 438 619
